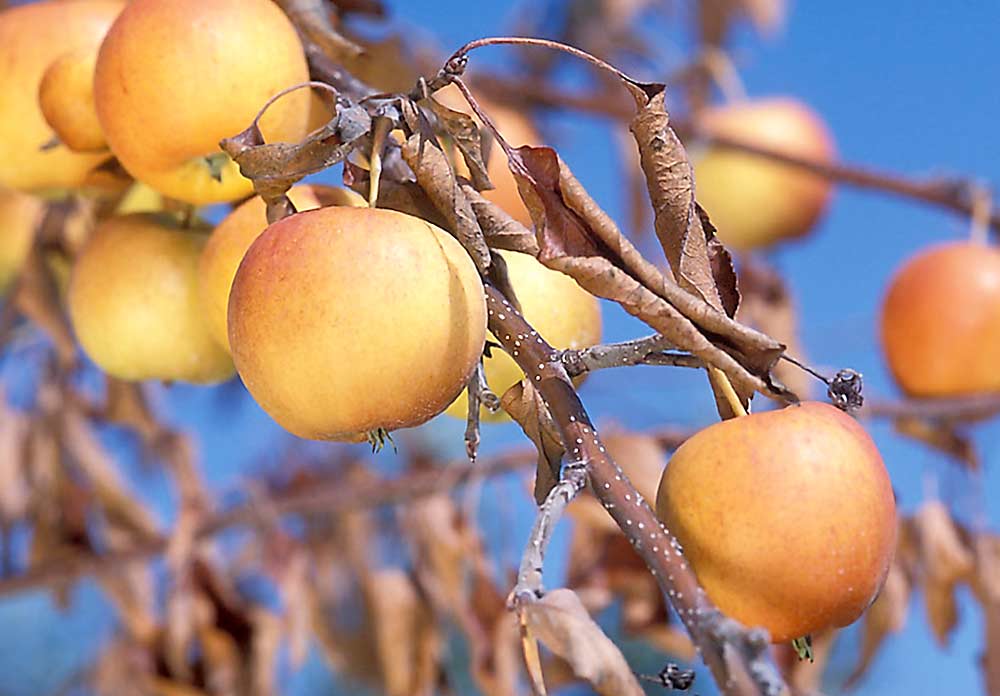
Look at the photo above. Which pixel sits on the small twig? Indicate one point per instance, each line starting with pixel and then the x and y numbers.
pixel 603 356
pixel 962 408
pixel 950 193
pixel 475 388
pixel 529 576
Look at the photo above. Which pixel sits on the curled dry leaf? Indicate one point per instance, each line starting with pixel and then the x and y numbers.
pixel 946 560
pixel 463 130
pixel 561 622
pixel 312 19
pixel 403 196
pixel 434 173
pixel 986 587
pixel 276 167
pixel 406 639
pixel 524 404
pixel 717 16
pixel 577 238
pixel 500 229
pixel 15 490
pixel 37 298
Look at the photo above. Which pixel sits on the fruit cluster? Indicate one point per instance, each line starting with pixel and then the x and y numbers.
pixel 343 320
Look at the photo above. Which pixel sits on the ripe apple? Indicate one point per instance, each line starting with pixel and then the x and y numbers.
pixel 32 36
pixel 234 235
pixel 20 215
pixel 174 77
pixel 66 97
pixel 941 321
pixel 516 130
pixel 753 201
pixel 565 314
pixel 134 305
pixel 787 517
pixel 346 320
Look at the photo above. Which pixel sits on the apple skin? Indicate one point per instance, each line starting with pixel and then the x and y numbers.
pixel 787 517
pixel 20 215
pixel 234 235
pixel 752 201
pixel 563 313
pixel 940 321
pixel 344 320
pixel 174 77
pixel 32 36
pixel 66 98
pixel 134 305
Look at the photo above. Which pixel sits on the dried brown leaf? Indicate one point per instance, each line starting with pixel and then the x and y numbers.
pixel 15 489
pixel 276 167
pixel 403 196
pixel 524 404
pixel 561 622
pixel 946 561
pixel 442 546
pixel 887 615
pixel 434 173
pixel 577 238
pixel 500 229
pixel 37 298
pixel 312 19
pixel 405 633
pixel 717 16
pixel 986 588
pixel 463 130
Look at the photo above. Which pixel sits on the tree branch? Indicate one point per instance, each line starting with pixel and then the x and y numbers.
pixel 737 657
pixel 953 193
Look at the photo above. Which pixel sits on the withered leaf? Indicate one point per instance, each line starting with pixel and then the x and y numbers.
pixel 561 622
pixel 434 174
pixel 986 587
pixel 524 404
pixel 312 19
pixel 500 229
pixel 464 132
pixel 577 238
pixel 405 633
pixel 941 435
pixel 887 615
pixel 37 298
pixel 946 561
pixel 276 167
pixel 717 16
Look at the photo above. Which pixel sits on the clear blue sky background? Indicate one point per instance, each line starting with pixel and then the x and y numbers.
pixel 909 87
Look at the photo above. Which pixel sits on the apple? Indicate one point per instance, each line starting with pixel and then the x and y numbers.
pixel 563 313
pixel 174 77
pixel 349 320
pixel 755 202
pixel 516 129
pixel 787 517
pixel 234 235
pixel 941 321
pixel 66 97
pixel 134 304
pixel 32 36
pixel 20 215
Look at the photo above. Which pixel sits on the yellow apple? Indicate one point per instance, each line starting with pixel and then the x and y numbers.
pixel 234 235
pixel 753 201
pixel 174 77
pixel 32 36
pixel 348 320
pixel 134 305
pixel 66 97
pixel 787 517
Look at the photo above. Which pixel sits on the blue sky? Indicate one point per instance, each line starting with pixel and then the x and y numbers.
pixel 908 87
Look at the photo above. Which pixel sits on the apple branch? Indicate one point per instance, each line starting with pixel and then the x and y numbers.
pixel 958 194
pixel 737 657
